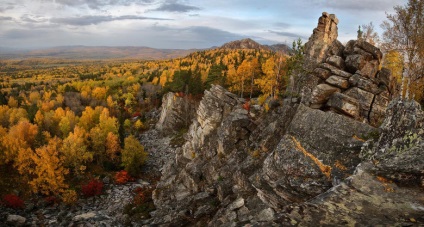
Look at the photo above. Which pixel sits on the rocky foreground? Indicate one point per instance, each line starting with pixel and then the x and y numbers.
pixel 343 154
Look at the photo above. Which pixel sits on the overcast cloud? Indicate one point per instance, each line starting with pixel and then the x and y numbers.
pixel 177 23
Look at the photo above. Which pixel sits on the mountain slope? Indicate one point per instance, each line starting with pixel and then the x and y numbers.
pixel 251 44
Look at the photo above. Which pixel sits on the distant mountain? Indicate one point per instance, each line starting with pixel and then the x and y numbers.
pixel 280 48
pixel 251 44
pixel 99 53
pixel 243 44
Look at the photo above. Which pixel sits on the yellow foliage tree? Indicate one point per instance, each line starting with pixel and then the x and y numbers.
pixel 49 170
pixel 393 60
pixel 133 155
pixel 74 150
pixel 17 143
pixel 16 115
pixel 4 116
pixel 12 102
pixel 112 146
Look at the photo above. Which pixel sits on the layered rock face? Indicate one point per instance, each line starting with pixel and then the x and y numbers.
pixel 324 35
pixel 345 79
pixel 392 160
pixel 236 167
pixel 177 112
pixel 318 162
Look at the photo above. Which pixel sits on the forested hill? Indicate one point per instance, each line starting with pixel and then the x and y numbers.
pixel 251 44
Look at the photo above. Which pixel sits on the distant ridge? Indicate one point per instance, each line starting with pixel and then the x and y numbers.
pixel 100 53
pixel 251 44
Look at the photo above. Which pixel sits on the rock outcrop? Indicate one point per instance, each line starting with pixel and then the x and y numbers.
pixel 235 167
pixel 323 37
pixel 344 79
pixel 391 160
pixel 177 112
pixel 352 84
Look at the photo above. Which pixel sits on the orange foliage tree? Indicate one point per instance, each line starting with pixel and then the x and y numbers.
pixel 49 172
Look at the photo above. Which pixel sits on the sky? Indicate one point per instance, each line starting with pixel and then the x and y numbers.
pixel 177 24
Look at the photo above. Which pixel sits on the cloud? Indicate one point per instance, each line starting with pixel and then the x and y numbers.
pixel 89 20
pixel 97 4
pixel 2 18
pixel 362 5
pixel 189 37
pixel 287 34
pixel 32 18
pixel 176 7
pixel 281 25
pixel 10 6
pixel 19 33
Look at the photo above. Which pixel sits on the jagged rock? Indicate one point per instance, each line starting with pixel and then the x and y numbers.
pixel 319 147
pixel 15 220
pixel 321 94
pixel 215 105
pixel 355 62
pixel 364 98
pixel 365 84
pixel 177 112
pixel 336 48
pixel 322 73
pixel 362 47
pixel 352 202
pixel 362 56
pixel 398 151
pixel 370 69
pixel 336 61
pixel 385 78
pixel 294 165
pixel 266 215
pixel 234 128
pixel 323 36
pixel 236 204
pixel 344 104
pixel 335 70
pixel 369 48
pixel 338 81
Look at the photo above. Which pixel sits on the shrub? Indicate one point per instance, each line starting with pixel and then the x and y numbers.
pixel 142 195
pixel 92 188
pixel 50 200
pixel 122 177
pixel 133 155
pixel 13 201
pixel 246 106
pixel 69 197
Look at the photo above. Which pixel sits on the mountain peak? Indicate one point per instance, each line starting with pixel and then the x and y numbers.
pixel 244 44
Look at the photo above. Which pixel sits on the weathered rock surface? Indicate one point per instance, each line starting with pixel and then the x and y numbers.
pixel 374 194
pixel 356 65
pixel 355 71
pixel 322 41
pixel 251 168
pixel 15 220
pixel 177 112
pixel 398 153
pixel 104 210
pixel 322 38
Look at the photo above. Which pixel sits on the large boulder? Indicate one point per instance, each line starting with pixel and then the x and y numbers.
pixel 344 104
pixel 321 94
pixel 398 153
